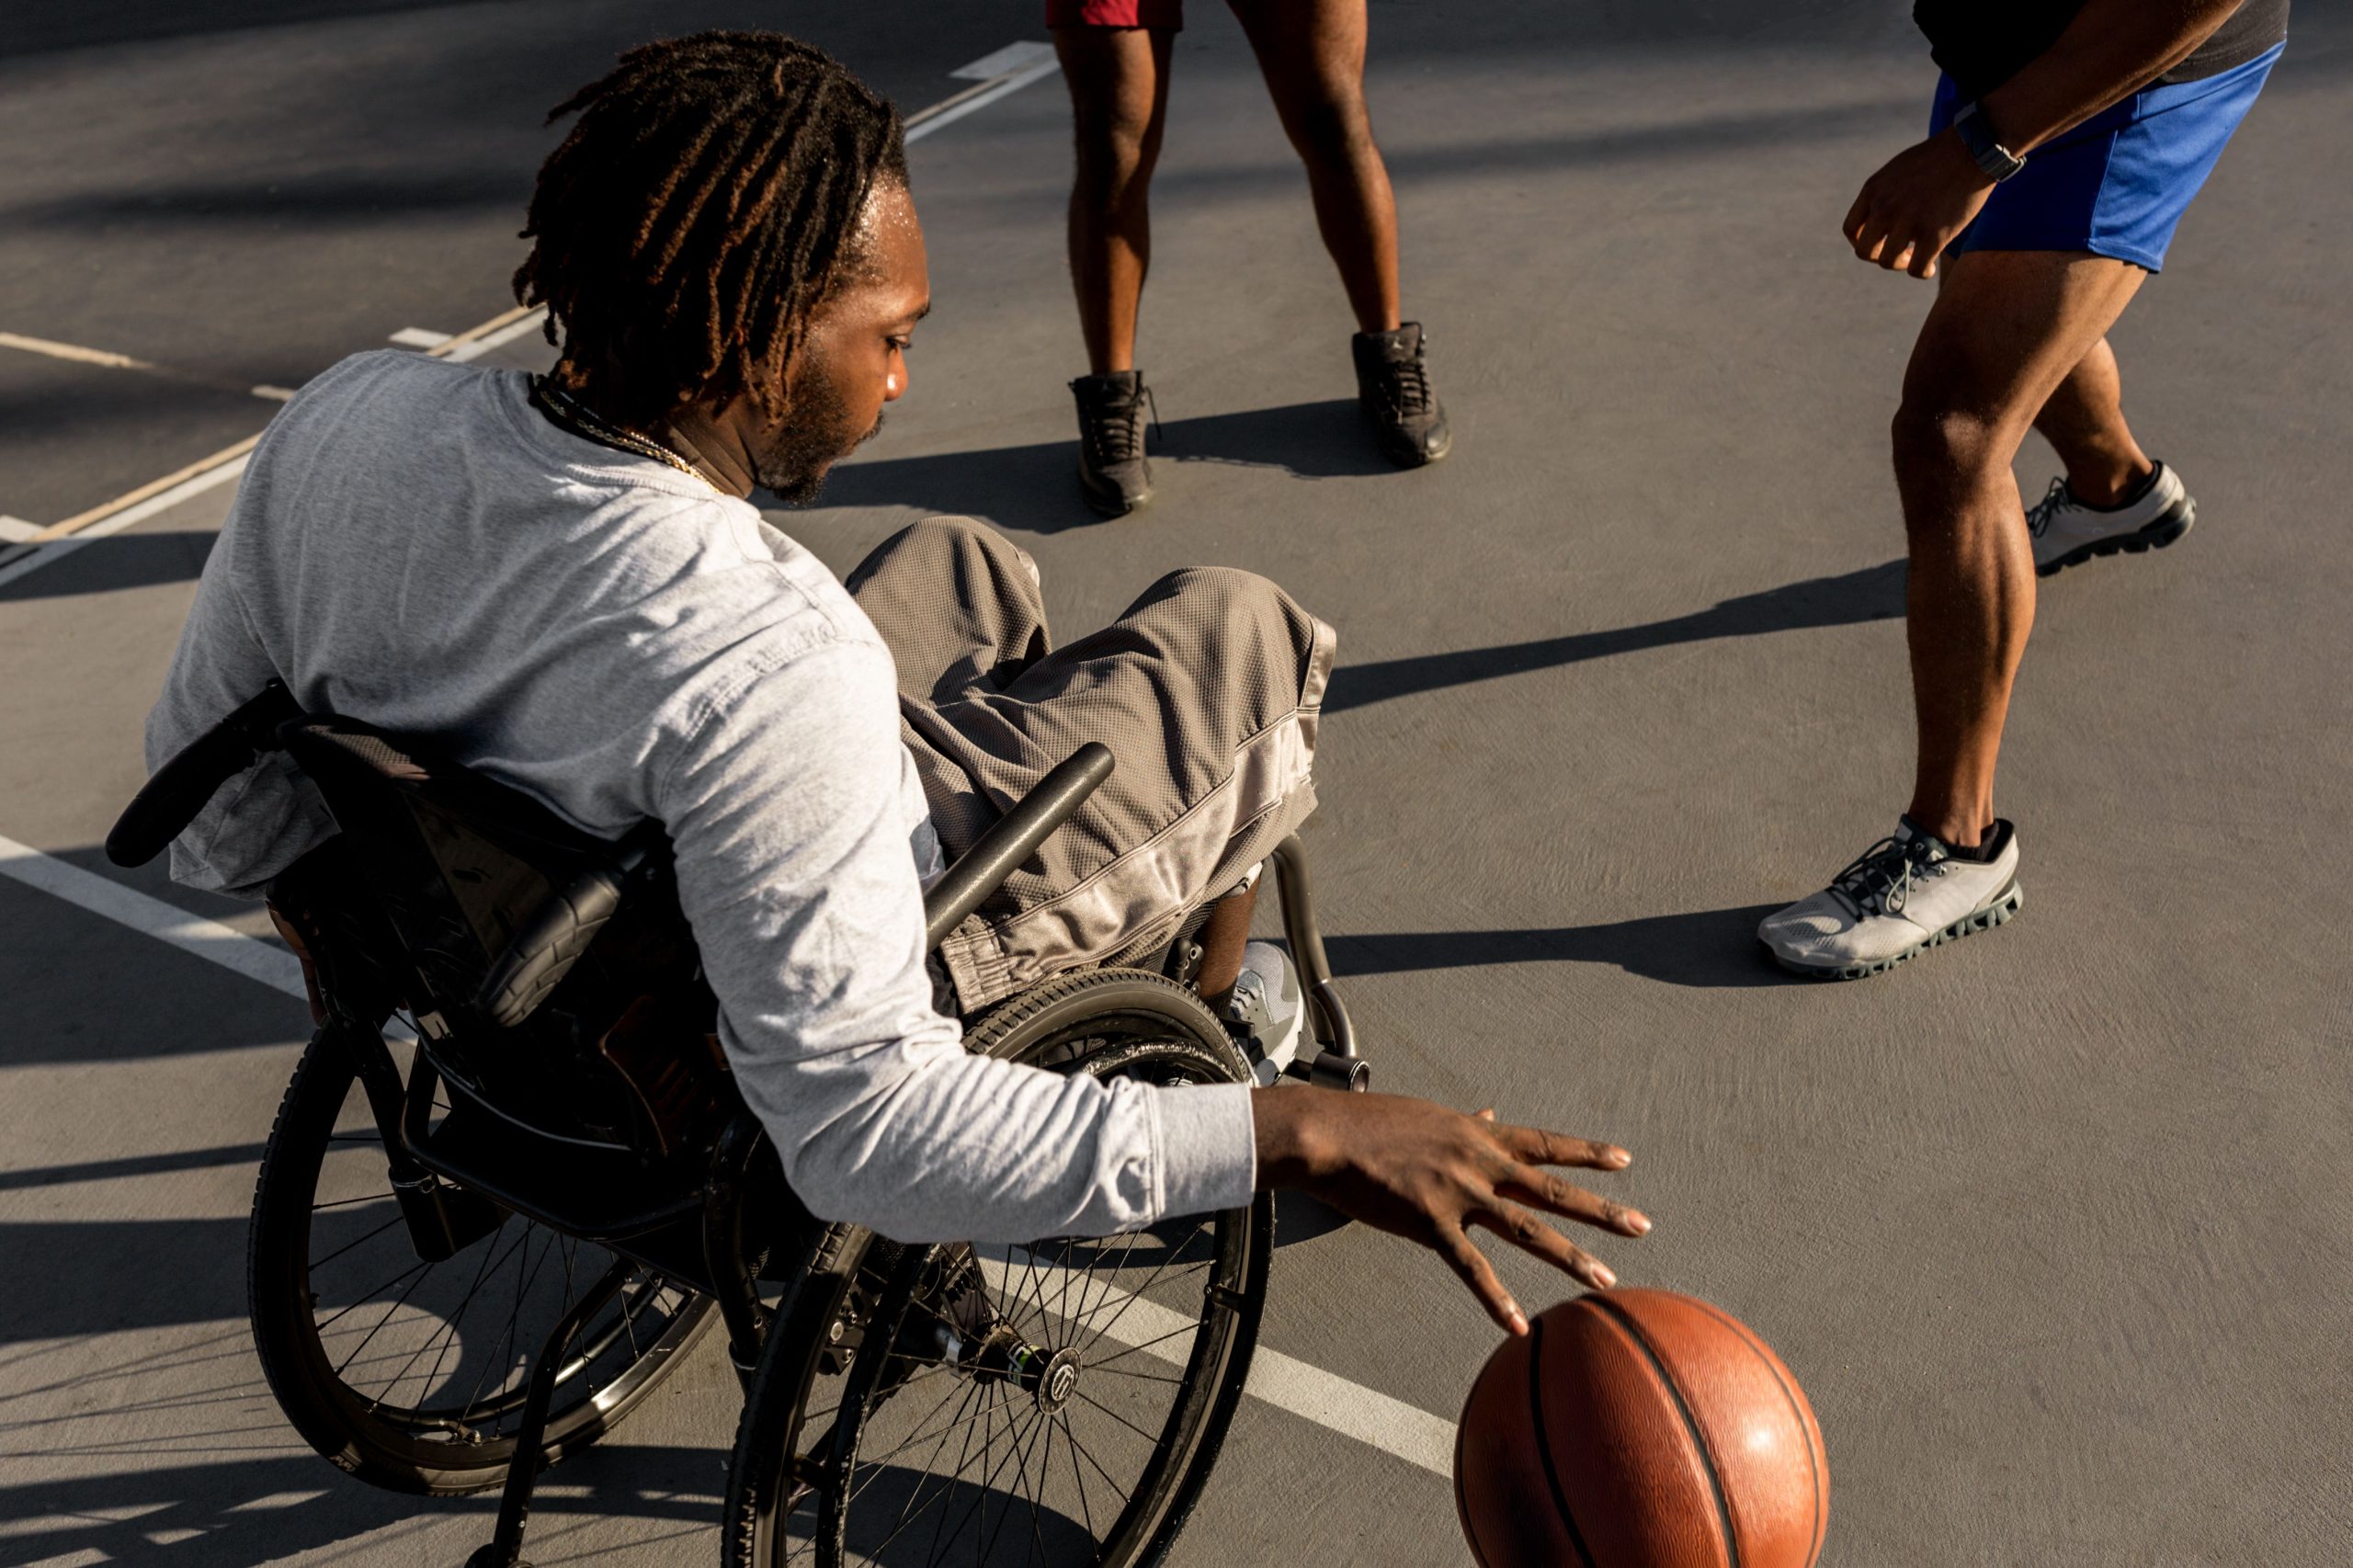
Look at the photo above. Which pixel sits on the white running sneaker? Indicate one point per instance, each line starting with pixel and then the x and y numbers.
pixel 2068 532
pixel 1905 894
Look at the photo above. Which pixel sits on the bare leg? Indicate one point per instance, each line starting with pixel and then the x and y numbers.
pixel 1311 55
pixel 2084 422
pixel 2006 329
pixel 1118 95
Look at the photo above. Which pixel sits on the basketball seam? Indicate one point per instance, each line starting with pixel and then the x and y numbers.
pixel 1814 1471
pixel 1544 1443
pixel 1625 1320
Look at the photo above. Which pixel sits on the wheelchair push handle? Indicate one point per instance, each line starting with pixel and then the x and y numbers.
pixel 169 802
pixel 1012 839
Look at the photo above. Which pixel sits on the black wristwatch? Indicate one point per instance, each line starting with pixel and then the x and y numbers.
pixel 1977 136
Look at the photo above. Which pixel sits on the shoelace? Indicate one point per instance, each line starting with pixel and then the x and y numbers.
pixel 1880 881
pixel 2054 501
pixel 1405 383
pixel 1115 432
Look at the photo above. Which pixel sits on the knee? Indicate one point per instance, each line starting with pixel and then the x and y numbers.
pixel 1935 441
pixel 946 549
pixel 1115 150
pixel 1248 609
pixel 1334 129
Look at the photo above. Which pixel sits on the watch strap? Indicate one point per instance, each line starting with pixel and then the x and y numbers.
pixel 1997 161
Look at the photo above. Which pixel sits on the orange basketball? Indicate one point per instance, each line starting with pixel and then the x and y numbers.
pixel 1639 1429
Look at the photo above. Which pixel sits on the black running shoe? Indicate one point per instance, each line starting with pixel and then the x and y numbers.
pixel 1111 466
pixel 1393 390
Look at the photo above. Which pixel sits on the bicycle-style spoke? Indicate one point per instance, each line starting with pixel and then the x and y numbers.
pixel 318 1263
pixel 326 1324
pixel 1147 1437
pixel 1086 1453
pixel 1144 1346
pixel 909 1512
pixel 380 1322
pixel 1077 1476
pixel 448 1335
pixel 1141 1377
pixel 1021 1456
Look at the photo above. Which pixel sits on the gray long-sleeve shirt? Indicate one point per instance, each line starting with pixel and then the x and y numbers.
pixel 414 545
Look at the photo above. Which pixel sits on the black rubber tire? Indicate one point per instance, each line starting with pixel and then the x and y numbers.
pixel 330 1416
pixel 762 1483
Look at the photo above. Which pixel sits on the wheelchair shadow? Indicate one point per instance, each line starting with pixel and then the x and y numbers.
pixel 880 1531
pixel 247 1510
pixel 1034 488
pixel 1706 948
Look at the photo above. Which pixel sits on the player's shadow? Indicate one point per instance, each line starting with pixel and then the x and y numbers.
pixel 1034 488
pixel 1874 593
pixel 1706 948
pixel 1306 440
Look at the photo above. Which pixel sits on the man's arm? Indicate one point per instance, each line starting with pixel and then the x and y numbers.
pixel 1911 209
pixel 795 871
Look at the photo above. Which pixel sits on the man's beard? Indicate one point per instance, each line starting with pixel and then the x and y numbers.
pixel 794 464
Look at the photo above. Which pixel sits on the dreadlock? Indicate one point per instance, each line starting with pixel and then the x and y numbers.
pixel 705 201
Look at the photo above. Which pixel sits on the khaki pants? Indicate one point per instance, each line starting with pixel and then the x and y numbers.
pixel 1207 689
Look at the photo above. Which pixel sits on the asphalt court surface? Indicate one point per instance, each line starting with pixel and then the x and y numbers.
pixel 2052 1224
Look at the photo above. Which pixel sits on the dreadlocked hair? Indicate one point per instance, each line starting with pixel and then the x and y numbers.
pixel 703 204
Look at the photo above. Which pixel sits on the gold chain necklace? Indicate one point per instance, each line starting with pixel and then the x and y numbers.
pixel 577 417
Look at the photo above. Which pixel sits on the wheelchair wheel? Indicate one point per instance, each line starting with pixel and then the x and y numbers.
pixel 412 1375
pixel 1057 1403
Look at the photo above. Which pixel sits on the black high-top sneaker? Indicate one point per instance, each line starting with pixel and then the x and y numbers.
pixel 1393 390
pixel 1111 466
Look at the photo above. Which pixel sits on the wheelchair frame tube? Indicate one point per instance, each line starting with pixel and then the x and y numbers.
pixel 1013 839
pixel 1333 1030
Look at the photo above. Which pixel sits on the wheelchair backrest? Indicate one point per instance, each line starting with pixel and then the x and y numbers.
pixel 550 973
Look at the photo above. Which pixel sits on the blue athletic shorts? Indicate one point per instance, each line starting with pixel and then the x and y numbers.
pixel 2117 184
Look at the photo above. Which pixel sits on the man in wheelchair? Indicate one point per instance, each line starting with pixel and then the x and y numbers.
pixel 560 583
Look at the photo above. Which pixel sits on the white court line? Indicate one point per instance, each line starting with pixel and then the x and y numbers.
pixel 956 108
pixel 1013 76
pixel 208 939
pixel 1004 61
pixel 476 347
pixel 73 351
pixel 58 548
pixel 1371 1417
pixel 15 530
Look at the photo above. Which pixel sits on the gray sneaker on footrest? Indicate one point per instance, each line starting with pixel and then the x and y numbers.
pixel 1267 1010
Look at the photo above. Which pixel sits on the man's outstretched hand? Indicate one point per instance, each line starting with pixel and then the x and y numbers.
pixel 1428 1173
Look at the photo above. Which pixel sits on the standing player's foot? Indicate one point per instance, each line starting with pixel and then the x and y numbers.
pixel 1111 466
pixel 1393 390
pixel 1907 892
pixel 2069 532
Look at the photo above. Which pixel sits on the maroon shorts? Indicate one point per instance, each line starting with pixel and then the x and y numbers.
pixel 1162 16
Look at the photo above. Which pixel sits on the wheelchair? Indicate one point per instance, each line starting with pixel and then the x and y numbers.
pixel 480 1241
